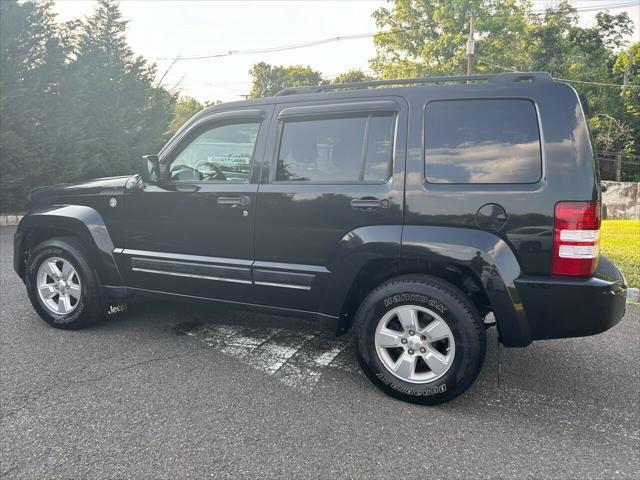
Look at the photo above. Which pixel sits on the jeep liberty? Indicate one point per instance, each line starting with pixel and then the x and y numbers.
pixel 404 211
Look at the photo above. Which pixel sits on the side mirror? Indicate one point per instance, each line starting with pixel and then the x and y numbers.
pixel 150 168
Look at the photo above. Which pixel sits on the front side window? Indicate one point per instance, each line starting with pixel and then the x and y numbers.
pixel 347 149
pixel 220 153
pixel 482 141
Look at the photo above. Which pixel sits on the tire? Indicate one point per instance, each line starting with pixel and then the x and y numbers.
pixel 84 304
pixel 461 343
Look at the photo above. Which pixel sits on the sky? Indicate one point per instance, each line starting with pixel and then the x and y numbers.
pixel 161 30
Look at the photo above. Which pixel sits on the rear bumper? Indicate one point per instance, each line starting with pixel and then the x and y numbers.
pixel 561 307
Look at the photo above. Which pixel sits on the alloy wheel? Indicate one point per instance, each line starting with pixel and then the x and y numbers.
pixel 59 286
pixel 415 344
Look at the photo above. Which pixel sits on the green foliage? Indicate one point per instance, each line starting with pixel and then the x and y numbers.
pixel 421 37
pixel 614 29
pixel 186 107
pixel 124 114
pixel 33 50
pixel 429 38
pixel 269 80
pixel 75 102
pixel 631 98
pixel 355 75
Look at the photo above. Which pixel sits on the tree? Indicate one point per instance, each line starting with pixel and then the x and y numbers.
pixel 354 75
pixel 269 80
pixel 185 108
pixel 429 38
pixel 629 61
pixel 614 29
pixel 75 102
pixel 125 114
pixel 612 136
pixel 422 37
pixel 33 51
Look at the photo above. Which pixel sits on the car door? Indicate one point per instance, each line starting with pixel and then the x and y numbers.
pixel 336 167
pixel 191 233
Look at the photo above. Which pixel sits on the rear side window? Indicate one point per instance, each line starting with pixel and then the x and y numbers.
pixel 339 149
pixel 482 141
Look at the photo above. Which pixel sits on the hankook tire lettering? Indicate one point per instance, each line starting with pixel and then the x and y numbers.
pixel 412 297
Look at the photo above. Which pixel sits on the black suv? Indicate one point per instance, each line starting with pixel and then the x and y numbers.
pixel 404 214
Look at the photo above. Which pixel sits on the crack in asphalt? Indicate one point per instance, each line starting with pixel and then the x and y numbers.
pixel 75 384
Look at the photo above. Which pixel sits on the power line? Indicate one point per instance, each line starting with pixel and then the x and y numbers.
pixel 625 154
pixel 329 76
pixel 281 48
pixel 627 162
pixel 339 38
pixel 596 83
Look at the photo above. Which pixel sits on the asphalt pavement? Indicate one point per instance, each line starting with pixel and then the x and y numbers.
pixel 169 390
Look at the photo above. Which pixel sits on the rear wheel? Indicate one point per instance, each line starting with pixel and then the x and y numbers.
pixel 419 339
pixel 62 286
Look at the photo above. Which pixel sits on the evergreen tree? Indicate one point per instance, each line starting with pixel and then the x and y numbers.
pixel 75 102
pixel 112 93
pixel 32 63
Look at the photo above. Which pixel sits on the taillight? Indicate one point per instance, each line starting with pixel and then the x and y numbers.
pixel 576 238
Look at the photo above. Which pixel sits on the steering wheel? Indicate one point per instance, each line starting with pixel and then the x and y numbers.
pixel 185 172
pixel 210 168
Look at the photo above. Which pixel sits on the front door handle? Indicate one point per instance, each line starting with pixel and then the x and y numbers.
pixel 243 200
pixel 369 203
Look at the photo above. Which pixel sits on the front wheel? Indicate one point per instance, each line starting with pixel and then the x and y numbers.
pixel 61 285
pixel 419 339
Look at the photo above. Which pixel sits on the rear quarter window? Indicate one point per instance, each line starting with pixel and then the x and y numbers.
pixel 482 142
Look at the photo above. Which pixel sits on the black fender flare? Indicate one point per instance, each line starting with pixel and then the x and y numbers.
pixel 80 221
pixel 487 256
pixel 490 259
pixel 355 250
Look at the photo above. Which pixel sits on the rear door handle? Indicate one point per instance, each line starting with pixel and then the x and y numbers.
pixel 243 200
pixel 368 203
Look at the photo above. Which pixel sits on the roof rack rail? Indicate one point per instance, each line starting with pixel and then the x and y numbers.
pixel 523 77
pixel 493 77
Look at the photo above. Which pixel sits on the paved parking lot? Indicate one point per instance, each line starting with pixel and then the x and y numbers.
pixel 168 391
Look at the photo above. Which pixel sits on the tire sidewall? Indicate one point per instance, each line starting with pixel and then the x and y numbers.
pixel 468 347
pixel 58 249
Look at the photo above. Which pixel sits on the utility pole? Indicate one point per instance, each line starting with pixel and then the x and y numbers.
pixel 623 92
pixel 625 80
pixel 470 46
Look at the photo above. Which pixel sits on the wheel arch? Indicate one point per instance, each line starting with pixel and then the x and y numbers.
pixel 479 263
pixel 77 221
pixel 375 273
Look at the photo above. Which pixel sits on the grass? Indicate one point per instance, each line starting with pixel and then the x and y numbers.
pixel 620 241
